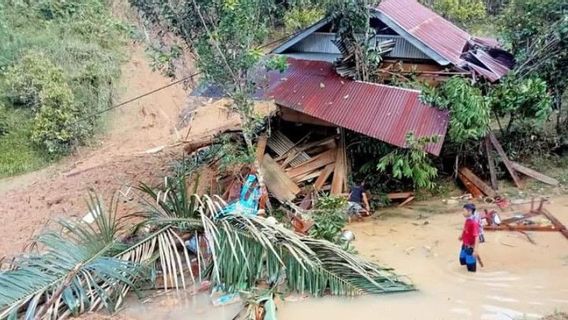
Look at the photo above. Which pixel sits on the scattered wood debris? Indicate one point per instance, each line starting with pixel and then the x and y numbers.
pixel 526 222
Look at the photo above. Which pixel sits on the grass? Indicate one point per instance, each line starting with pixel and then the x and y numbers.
pixel 17 153
pixel 81 38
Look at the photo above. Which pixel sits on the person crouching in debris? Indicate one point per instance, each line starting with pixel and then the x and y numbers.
pixel 357 198
pixel 469 239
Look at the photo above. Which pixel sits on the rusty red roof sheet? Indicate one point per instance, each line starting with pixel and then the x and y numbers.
pixel 379 111
pixel 428 27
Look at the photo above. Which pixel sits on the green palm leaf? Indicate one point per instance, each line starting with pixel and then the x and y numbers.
pixel 72 275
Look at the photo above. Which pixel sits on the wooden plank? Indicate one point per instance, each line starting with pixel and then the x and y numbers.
pixel 261 147
pixel 470 187
pixel 277 182
pixel 535 174
pixel 306 202
pixel 491 163
pixel 399 195
pixel 339 178
pixel 327 171
pixel 480 184
pixel 317 162
pixel 407 201
pixel 307 176
pixel 505 160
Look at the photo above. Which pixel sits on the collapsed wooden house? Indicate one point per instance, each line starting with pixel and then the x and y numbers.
pixel 413 36
pixel 312 91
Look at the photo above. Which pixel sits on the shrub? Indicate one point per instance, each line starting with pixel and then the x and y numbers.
pixel 25 80
pixel 300 17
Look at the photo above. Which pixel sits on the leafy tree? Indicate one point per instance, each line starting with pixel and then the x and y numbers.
pixel 301 15
pixel 537 33
pixel 469 110
pixel 463 12
pixel 524 100
pixel 412 162
pixel 35 82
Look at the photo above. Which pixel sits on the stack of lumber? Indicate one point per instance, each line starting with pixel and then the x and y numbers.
pixel 319 163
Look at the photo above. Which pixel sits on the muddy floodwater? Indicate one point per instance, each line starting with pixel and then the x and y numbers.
pixel 520 280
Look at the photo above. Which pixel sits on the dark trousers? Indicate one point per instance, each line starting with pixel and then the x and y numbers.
pixel 467 259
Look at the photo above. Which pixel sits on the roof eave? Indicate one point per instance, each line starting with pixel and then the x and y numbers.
pixel 409 37
pixel 295 38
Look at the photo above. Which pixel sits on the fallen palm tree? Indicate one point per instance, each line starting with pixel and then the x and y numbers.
pixel 93 266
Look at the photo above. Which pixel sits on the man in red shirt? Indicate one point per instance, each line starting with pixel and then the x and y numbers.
pixel 470 241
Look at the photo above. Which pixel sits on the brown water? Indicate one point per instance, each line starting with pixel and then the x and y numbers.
pixel 520 280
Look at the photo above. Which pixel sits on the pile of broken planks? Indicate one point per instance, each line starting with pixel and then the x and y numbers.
pixel 302 167
pixel 525 222
pixel 479 189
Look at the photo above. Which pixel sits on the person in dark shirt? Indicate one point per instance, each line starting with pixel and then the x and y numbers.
pixel 356 200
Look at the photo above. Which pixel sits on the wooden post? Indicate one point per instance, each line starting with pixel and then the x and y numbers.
pixel 505 160
pixel 491 163
pixel 261 147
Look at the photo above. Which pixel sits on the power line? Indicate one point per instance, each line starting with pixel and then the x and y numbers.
pixel 168 85
pixel 138 97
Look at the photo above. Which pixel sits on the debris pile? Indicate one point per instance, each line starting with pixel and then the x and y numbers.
pixel 292 169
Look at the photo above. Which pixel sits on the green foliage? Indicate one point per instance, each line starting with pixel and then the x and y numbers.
pixel 60 59
pixel 329 218
pixel 17 152
pixel 412 163
pixel 526 100
pixel 537 33
pixel 278 63
pixel 463 12
pixel 73 274
pixel 469 110
pixel 231 152
pixel 163 59
pixel 301 16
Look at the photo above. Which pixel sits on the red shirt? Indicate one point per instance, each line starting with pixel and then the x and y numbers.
pixel 470 232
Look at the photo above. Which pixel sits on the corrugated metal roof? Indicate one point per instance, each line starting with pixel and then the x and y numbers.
pixel 379 111
pixel 428 27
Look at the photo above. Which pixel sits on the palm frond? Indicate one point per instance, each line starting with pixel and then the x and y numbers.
pixel 249 249
pixel 72 275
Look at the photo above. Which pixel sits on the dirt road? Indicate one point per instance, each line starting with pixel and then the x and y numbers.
pixel 29 202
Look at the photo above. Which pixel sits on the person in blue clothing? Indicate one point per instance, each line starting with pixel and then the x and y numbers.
pixel 358 204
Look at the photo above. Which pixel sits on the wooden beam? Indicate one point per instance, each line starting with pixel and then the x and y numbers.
pixel 505 160
pixel 308 176
pixel 470 187
pixel 491 162
pixel 338 181
pixel 315 163
pixel 405 202
pixel 535 174
pixel 399 195
pixel 519 228
pixel 277 182
pixel 557 224
pixel 327 171
pixel 290 115
pixel 480 184
pixel 261 147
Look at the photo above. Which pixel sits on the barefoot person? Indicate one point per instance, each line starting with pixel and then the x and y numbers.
pixel 470 240
pixel 356 200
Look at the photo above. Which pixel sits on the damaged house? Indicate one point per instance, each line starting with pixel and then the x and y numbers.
pixel 317 90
